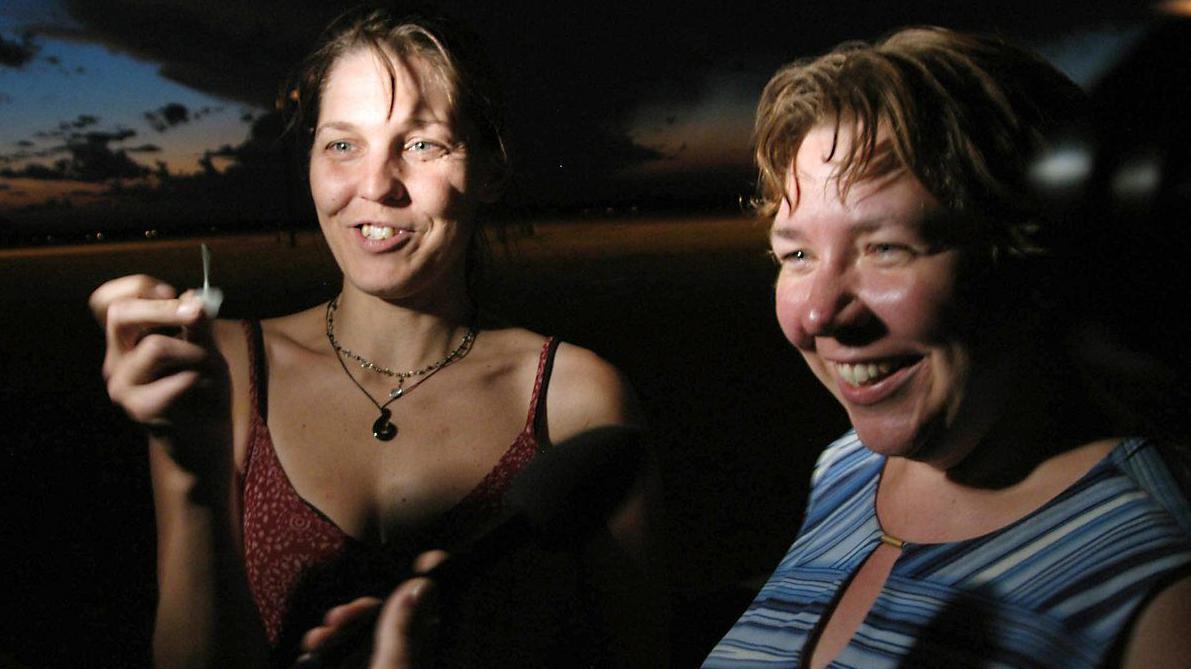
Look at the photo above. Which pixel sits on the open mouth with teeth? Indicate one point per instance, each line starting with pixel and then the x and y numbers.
pixel 377 232
pixel 868 373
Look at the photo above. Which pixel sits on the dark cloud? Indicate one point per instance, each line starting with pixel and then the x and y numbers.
pixel 205 111
pixel 574 72
pixel 118 135
pixel 144 148
pixel 84 121
pixel 89 158
pixel 70 132
pixel 166 117
pixel 35 171
pixel 225 151
pixel 17 54
pixel 5 98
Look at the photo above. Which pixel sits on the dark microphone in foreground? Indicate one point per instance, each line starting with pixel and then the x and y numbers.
pixel 559 498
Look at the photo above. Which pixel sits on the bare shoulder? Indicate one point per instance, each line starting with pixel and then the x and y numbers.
pixel 1159 637
pixel 232 341
pixel 587 391
pixel 298 329
pixel 231 337
pixel 584 390
pixel 294 334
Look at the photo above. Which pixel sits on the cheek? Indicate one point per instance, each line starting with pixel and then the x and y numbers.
pixel 910 307
pixel 789 302
pixel 430 193
pixel 441 193
pixel 329 188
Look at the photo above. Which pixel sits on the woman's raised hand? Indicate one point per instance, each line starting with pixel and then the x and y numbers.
pixel 405 626
pixel 162 367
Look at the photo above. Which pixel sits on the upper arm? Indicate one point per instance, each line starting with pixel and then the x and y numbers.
pixel 172 485
pixel 1159 636
pixel 232 342
pixel 586 391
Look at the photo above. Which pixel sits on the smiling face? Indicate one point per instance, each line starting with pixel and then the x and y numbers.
pixel 392 180
pixel 868 293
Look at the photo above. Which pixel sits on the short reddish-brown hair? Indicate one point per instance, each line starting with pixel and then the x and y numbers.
pixel 964 114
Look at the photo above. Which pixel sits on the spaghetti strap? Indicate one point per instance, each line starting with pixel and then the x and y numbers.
pixel 258 369
pixel 537 401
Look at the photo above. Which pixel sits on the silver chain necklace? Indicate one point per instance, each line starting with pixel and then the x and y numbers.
pixel 383 428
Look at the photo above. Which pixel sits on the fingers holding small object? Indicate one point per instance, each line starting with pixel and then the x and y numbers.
pixel 405 628
pixel 148 404
pixel 130 319
pixel 211 298
pixel 427 561
pixel 140 286
pixel 157 373
pixel 345 612
pixel 402 639
pixel 336 618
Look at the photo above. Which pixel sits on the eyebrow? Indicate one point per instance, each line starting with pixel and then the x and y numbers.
pixel 414 124
pixel 856 229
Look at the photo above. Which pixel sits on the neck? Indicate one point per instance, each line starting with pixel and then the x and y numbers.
pixel 1044 414
pixel 397 334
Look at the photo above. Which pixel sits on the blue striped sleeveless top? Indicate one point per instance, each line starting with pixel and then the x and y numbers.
pixel 1054 589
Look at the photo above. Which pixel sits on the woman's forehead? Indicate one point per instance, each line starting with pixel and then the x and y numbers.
pixel 363 80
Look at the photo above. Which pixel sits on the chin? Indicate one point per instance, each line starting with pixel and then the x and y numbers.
pixel 883 445
pixel 891 437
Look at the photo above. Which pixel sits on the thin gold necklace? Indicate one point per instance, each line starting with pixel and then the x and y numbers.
pixel 383 428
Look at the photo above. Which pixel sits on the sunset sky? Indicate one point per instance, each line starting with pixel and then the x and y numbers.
pixel 613 104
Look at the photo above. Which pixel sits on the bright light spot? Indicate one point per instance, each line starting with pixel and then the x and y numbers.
pixel 1136 179
pixel 1062 167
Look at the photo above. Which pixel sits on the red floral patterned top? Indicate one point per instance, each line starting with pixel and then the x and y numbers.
pixel 299 563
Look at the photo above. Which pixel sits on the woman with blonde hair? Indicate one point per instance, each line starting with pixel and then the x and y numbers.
pixel 301 462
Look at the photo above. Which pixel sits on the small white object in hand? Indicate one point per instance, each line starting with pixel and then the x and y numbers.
pixel 212 298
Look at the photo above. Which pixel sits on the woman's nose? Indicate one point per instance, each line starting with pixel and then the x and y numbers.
pixel 831 303
pixel 383 181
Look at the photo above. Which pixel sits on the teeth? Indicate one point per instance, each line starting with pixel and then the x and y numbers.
pixel 864 373
pixel 376 232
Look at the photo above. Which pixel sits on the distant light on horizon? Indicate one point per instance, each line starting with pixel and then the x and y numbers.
pixel 1176 7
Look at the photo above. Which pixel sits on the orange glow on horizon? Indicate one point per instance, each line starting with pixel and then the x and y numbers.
pixel 1177 7
pixel 24 192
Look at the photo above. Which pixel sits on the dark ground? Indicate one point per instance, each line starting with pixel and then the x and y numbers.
pixel 736 418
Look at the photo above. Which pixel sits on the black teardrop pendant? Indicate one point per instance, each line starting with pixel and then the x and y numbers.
pixel 382 428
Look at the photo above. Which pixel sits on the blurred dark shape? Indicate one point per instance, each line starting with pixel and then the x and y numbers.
pixel 1118 191
pixel 168 116
pixel 17 54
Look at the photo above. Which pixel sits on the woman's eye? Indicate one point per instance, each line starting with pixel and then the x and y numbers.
pixel 794 259
pixel 340 146
pixel 889 252
pixel 424 149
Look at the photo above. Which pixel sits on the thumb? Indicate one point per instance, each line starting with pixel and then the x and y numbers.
pixel 403 632
pixel 197 327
